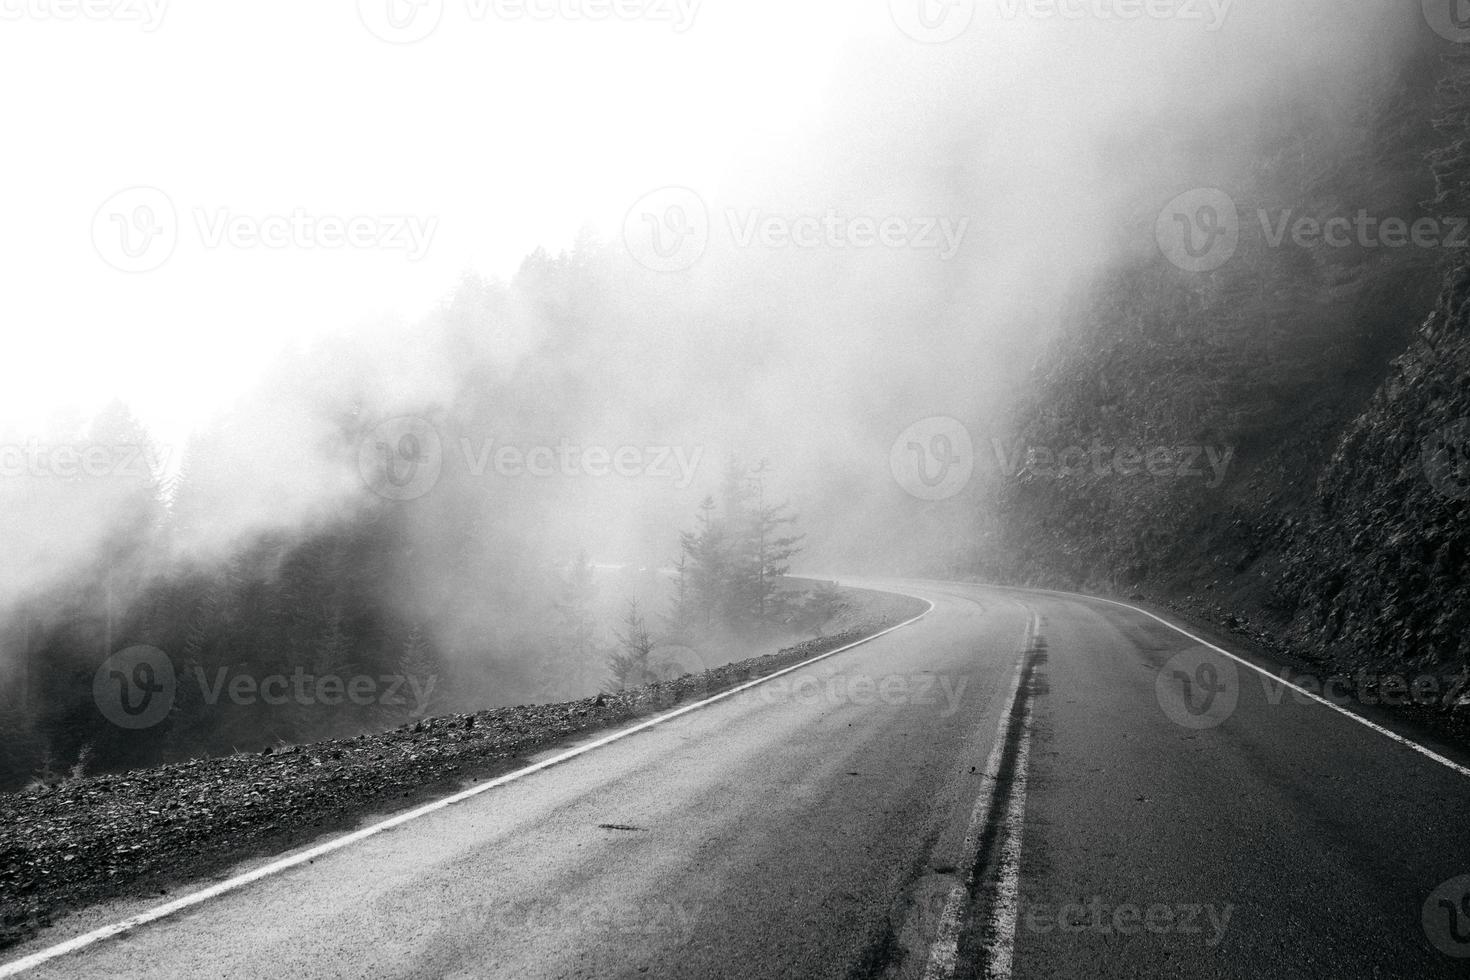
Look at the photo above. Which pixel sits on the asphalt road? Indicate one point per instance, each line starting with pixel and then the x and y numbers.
pixel 1018 784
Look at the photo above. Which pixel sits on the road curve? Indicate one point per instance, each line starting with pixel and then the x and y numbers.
pixel 1018 784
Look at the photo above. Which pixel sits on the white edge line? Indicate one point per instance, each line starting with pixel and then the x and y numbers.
pixel 1426 752
pixel 276 867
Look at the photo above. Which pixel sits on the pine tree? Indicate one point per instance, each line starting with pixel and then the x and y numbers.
pixel 770 548
pixel 630 666
pixel 416 660
pixel 680 623
pixel 574 606
pixel 731 565
pixel 706 567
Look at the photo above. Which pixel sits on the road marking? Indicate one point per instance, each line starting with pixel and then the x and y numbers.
pixel 945 948
pixel 1005 910
pixel 1426 752
pixel 944 952
pixel 276 867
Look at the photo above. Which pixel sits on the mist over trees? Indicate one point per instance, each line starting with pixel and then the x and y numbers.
pixel 480 592
pixel 265 544
pixel 731 563
pixel 727 592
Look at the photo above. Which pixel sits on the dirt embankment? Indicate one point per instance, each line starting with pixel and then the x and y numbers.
pixel 151 831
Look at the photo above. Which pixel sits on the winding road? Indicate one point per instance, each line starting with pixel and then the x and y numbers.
pixel 1017 784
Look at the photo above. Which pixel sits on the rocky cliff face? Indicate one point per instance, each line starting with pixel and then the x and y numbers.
pixel 1346 543
pixel 1282 445
pixel 1379 572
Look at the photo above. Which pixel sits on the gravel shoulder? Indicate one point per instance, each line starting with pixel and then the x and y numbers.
pixel 152 832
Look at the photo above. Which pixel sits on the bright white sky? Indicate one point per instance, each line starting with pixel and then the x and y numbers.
pixel 510 134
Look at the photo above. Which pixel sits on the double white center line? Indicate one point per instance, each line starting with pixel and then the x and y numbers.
pixel 1001 917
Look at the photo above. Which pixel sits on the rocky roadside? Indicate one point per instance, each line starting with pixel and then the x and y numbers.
pixel 1431 700
pixel 1345 556
pixel 1385 694
pixel 152 832
pixel 1369 583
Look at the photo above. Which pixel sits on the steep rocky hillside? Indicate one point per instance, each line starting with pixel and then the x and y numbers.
pixel 1390 517
pixel 1312 481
